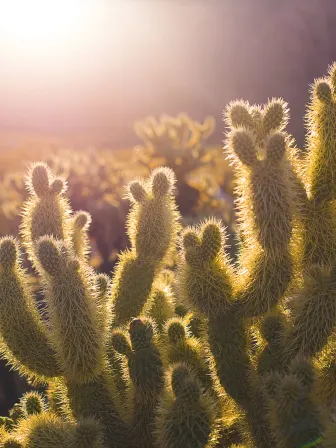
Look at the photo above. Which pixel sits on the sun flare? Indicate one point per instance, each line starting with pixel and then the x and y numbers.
pixel 42 23
pixel 60 57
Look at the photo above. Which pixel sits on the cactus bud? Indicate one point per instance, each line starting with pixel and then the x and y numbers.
pixel 275 115
pixel 33 403
pixel 179 375
pixel 211 240
pixel 49 255
pixel 40 179
pixel 161 183
pixel 82 220
pixel 175 331
pixel 190 239
pixel 190 391
pixel 304 370
pixel 120 343
pixel 238 115
pixel 137 191
pixel 141 333
pixel 8 252
pixel 290 392
pixel 11 442
pixel 57 186
pixel 162 180
pixel 273 328
pixel 276 146
pixel 323 91
pixel 7 423
pixel 243 144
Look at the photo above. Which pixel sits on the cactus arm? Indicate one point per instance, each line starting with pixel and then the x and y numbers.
pixel 25 340
pixel 147 375
pixel 46 211
pixel 152 228
pixel 72 307
pixel 184 417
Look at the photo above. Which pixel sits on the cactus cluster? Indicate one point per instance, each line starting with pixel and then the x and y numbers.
pixel 180 141
pixel 217 354
pixel 181 144
pixel 96 181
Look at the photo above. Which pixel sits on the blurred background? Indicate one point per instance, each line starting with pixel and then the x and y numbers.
pixel 105 90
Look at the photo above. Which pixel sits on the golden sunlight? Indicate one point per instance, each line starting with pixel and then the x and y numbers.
pixel 63 58
pixel 36 23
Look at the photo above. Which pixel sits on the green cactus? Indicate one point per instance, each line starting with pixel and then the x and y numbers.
pixel 11 442
pixel 181 347
pixel 80 241
pixel 152 228
pixel 19 317
pixel 160 306
pixel 220 354
pixel 6 423
pixel 46 210
pixel 33 403
pixel 296 420
pixel 274 331
pixel 147 375
pixel 184 419
pixel 72 343
pixel 206 276
pixel 17 412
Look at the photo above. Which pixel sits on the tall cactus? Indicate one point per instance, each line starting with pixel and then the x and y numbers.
pixel 224 355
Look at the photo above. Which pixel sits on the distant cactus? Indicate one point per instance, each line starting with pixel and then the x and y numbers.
pixel 217 354
pixel 181 144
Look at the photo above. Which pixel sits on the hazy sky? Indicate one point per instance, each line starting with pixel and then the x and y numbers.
pixel 118 61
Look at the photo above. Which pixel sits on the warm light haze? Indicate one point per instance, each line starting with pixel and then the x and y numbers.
pixel 40 23
pixel 61 58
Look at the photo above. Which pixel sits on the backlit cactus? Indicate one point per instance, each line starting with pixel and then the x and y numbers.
pixel 152 228
pixel 217 354
pixel 185 418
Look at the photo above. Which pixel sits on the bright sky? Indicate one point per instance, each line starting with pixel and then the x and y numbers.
pixel 95 64
pixel 59 57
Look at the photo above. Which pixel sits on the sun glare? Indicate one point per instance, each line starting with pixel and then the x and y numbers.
pixel 65 57
pixel 41 22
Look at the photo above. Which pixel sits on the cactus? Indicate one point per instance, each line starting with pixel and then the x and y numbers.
pixel 220 354
pixel 146 373
pixel 185 419
pixel 180 143
pixel 32 403
pixel 152 228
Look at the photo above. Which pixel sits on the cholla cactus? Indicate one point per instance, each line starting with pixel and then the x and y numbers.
pixel 285 267
pixel 152 228
pixel 185 418
pixel 95 182
pixel 70 346
pixel 178 140
pixel 224 355
pixel 181 144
